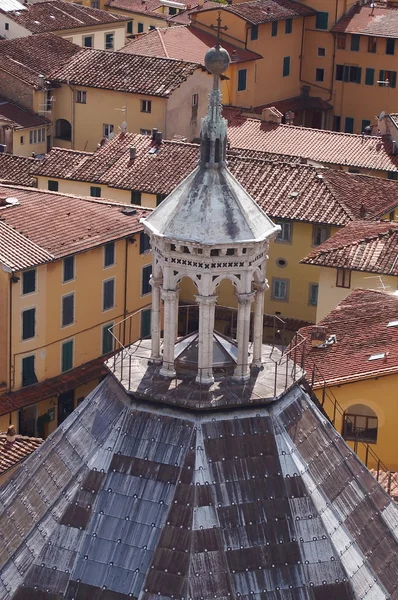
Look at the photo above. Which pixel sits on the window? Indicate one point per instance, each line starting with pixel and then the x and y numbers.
pixel 109 255
pixel 390 46
pixel 360 423
pixel 343 278
pixel 274 28
pixel 81 97
pixel 52 185
pixel 68 310
pixel 136 197
pixel 285 234
pixel 67 356
pixel 146 106
pixel 145 244
pixel 336 123
pixel 22 140
pixel 107 129
pixel 195 105
pixel 280 289
pixel 341 42
pixel 320 233
pixel 352 74
pixel 94 4
pixel 68 269
pixel 313 294
pixel 95 191
pixel 28 323
pixel 321 51
pixel 254 32
pixel 369 76
pixel 321 20
pixel 88 41
pixel 37 136
pixel 390 76
pixel 172 10
pixel 242 80
pixel 108 294
pixel 288 25
pixel 152 27
pixel 29 281
pixel 145 132
pixel 160 198
pixel 146 323
pixel 28 371
pixel 355 40
pixel 349 125
pixel 129 27
pixel 109 41
pixel 365 123
pixel 63 130
pixel 7 26
pixel 140 27
pixel 107 339
pixel 319 74
pixel 286 66
pixel 339 72
pixel 146 275
pixel 392 175
pixel 372 45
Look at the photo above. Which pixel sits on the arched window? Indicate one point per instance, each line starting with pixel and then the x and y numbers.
pixel 360 424
pixel 63 129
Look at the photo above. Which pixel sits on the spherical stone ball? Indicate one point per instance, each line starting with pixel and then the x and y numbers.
pixel 217 60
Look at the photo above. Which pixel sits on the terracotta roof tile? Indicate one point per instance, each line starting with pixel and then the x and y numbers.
pixel 16 169
pixel 360 246
pixel 13 452
pixel 125 72
pixel 323 146
pixel 55 15
pixel 296 104
pixel 184 17
pixel 20 117
pixel 61 224
pixel 265 11
pixel 19 252
pixel 360 324
pixel 363 20
pixel 34 55
pixel 183 43
pixel 138 6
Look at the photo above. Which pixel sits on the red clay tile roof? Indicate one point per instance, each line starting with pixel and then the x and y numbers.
pixel 360 246
pixel 296 104
pixel 328 147
pixel 18 252
pixel 62 224
pixel 138 6
pixel 360 324
pixel 54 386
pixel 265 11
pixel 56 15
pixel 20 117
pixel 34 55
pixel 16 169
pixel 12 453
pixel 184 17
pixel 183 43
pixel 125 72
pixel 363 20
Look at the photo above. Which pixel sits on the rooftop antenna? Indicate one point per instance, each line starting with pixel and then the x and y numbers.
pixel 123 126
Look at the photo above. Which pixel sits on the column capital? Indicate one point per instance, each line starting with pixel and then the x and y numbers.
pixel 205 299
pixel 155 281
pixel 169 294
pixel 261 286
pixel 245 298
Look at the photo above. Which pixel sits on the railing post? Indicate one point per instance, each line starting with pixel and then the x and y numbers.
pixel 334 412
pixel 276 375
pixel 129 372
pixel 367 455
pixel 389 483
pixel 378 470
pixel 323 393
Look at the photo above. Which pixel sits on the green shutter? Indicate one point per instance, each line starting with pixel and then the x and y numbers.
pixel 393 81
pixel 355 40
pixel 242 80
pixel 390 46
pixel 288 25
pixel 321 20
pixel 28 323
pixel 107 339
pixel 346 73
pixel 365 123
pixel 369 77
pixel 67 356
pixel 286 66
pixel 145 323
pixel 274 28
pixel 359 74
pixel 349 125
pixel 381 78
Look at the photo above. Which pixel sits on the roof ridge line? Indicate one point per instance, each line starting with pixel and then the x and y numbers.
pixel 162 42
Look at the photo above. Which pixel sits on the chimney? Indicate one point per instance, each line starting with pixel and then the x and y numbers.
pixel 200 3
pixel 158 138
pixel 133 153
pixel 271 115
pixel 41 82
pixel 318 336
pixel 11 434
pixel 154 132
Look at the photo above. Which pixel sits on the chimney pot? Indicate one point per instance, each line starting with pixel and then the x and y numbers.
pixel 158 137
pixel 11 434
pixel 154 132
pixel 133 152
pixel 318 336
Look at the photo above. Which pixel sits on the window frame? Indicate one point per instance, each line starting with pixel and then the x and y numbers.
pixel 144 268
pixel 390 42
pixel 34 378
pixel 355 42
pixel 63 298
pixel 136 195
pixel 321 51
pixel 352 417
pixel 87 37
pixel 315 229
pixel 104 331
pixel 341 41
pixel 146 106
pixel 286 66
pixel 286 282
pixel 254 33
pixel 322 20
pixel 81 97
pixel 288 26
pixel 65 343
pixel 311 287
pixel 129 27
pixel 140 27
pixel 343 277
pixel 107 127
pixel 29 309
pixel 33 291
pixel 73 269
pixel 319 74
pixel 372 44
pixel 95 191
pixel 110 247
pixel 106 44
pixel 349 120
pixel 145 311
pixel 285 225
pixel 52 185
pixel 274 28
pixel 242 80
pixel 104 282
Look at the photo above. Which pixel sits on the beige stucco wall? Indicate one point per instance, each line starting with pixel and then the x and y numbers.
pixel 76 35
pixel 180 105
pixel 14 29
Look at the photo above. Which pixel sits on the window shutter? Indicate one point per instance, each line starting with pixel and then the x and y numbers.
pixel 68 305
pixel 28 323
pixel 274 28
pixel 369 76
pixel 67 356
pixel 109 294
pixel 381 78
pixel 390 46
pixel 286 66
pixel 145 323
pixel 241 80
pixel 107 339
pixel 144 243
pixel 359 74
pixel 393 81
pixel 346 73
pixel 28 371
pixel 146 275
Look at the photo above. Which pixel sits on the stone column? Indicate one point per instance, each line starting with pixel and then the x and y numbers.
pixel 155 320
pixel 258 323
pixel 207 307
pixel 242 372
pixel 170 297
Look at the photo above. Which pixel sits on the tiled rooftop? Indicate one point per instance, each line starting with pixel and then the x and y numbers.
pixel 16 169
pixel 28 57
pixel 19 117
pixel 360 324
pixel 283 189
pixel 184 17
pixel 360 246
pixel 56 15
pixel 328 147
pixel 13 452
pixel 265 11
pixel 138 6
pixel 55 225
pixel 363 20
pixel 125 72
pixel 183 43
pixel 296 104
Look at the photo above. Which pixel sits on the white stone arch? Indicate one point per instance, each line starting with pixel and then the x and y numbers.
pixel 236 281
pixel 181 275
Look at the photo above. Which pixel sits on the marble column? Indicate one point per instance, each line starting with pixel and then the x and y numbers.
pixel 155 282
pixel 170 298
pixel 207 308
pixel 242 372
pixel 258 323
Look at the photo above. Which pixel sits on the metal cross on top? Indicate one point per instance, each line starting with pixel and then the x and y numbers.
pixel 219 27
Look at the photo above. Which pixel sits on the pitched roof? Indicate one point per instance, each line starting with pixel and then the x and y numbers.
pixel 360 246
pixel 13 452
pixel 16 169
pixel 34 55
pixel 360 324
pixel 296 104
pixel 183 43
pixel 265 11
pixel 282 189
pixel 138 6
pixel 19 117
pixel 380 21
pixel 183 504
pixel 125 72
pixel 55 225
pixel 56 15
pixel 184 17
pixel 323 146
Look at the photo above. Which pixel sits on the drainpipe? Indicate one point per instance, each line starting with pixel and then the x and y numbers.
pixel 10 337
pixel 126 253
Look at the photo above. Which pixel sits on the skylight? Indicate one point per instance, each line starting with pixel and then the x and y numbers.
pixel 376 356
pixel 393 323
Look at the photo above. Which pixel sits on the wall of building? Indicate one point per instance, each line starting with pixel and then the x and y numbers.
pixel 14 29
pixel 98 34
pixel 147 20
pixel 4 329
pixel 22 145
pixel 16 90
